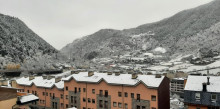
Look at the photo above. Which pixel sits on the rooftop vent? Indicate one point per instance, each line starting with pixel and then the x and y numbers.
pixel 58 79
pixel 117 73
pixel 208 82
pixel 74 71
pixel 44 77
pixel 109 73
pixel 134 76
pixel 157 76
pixel 31 77
pixel 50 77
pixel 90 73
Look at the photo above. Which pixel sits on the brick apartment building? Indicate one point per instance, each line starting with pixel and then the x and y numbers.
pixel 89 90
pixel 202 92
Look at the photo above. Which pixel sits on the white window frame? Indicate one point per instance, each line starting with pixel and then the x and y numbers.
pixel 214 100
pixel 197 96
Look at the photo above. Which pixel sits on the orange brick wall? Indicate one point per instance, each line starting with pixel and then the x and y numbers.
pixel 113 92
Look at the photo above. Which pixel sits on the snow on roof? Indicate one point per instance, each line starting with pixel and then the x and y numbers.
pixel 122 79
pixel 149 54
pixel 158 68
pixel 28 98
pixel 72 108
pixel 194 83
pixel 40 82
pixel 160 49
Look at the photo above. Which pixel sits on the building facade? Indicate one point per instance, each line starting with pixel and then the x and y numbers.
pixel 89 90
pixel 202 92
pixel 177 86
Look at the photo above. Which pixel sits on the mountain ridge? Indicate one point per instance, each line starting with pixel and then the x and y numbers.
pixel 167 33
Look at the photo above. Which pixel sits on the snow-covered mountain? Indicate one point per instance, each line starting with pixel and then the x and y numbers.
pixel 20 45
pixel 186 32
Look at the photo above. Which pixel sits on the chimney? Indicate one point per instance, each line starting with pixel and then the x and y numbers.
pixel 31 78
pixel 109 73
pixel 208 82
pixel 50 77
pixel 74 72
pixel 134 75
pixel 117 73
pixel 58 79
pixel 44 77
pixel 90 73
pixel 157 76
pixel 204 87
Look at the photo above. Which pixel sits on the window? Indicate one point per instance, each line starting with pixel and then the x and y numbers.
pixel 213 97
pixel 46 94
pixel 197 96
pixel 153 108
pixel 84 108
pixel 53 95
pixel 119 94
pixel 28 91
pixel 126 106
pixel 61 96
pixel 198 108
pixel 153 98
pixel 32 92
pixel 66 88
pixel 89 101
pixel 66 96
pixel 61 104
pixel 84 99
pixel 106 93
pixel 43 93
pixel 75 90
pixel 126 94
pixel 71 99
pixel 106 105
pixel 100 103
pixel 84 89
pixel 66 105
pixel 132 95
pixel 75 100
pixel 114 104
pixel 93 91
pixel 93 101
pixel 138 97
pixel 50 95
pixel 119 105
pixel 143 107
pixel 138 107
pixel 100 92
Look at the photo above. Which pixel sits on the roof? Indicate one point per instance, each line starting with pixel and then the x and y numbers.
pixel 122 79
pixel 28 98
pixel 7 93
pixel 40 82
pixel 194 83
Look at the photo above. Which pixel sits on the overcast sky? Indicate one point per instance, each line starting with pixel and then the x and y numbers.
pixel 59 22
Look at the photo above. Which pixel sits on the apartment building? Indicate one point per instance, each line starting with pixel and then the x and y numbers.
pixel 202 92
pixel 177 86
pixel 91 90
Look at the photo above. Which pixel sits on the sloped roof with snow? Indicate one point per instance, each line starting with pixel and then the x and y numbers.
pixel 40 82
pixel 194 83
pixel 122 79
pixel 28 98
